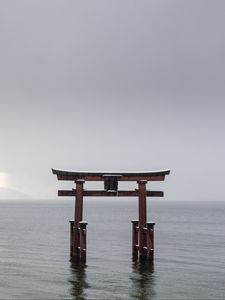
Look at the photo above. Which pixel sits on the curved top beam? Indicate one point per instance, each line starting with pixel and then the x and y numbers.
pixel 135 175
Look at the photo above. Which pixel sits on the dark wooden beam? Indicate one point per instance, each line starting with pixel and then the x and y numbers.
pixel 138 178
pixel 99 193
pixel 100 176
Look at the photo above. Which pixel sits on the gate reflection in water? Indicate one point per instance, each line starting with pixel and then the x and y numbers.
pixel 78 283
pixel 142 282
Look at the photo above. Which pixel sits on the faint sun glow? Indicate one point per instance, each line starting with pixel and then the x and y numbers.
pixel 4 179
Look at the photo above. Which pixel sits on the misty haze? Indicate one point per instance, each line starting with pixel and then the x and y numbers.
pixel 102 85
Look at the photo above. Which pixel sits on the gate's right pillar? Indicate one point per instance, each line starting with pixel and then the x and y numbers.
pixel 142 231
pixel 150 240
pixel 142 211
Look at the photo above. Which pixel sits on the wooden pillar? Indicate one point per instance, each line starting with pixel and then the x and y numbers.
pixel 78 214
pixel 83 243
pixel 150 240
pixel 71 238
pixel 135 239
pixel 142 218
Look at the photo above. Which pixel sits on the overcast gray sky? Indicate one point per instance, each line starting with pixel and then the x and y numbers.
pixel 113 85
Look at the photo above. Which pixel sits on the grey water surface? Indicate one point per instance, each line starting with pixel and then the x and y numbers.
pixel 189 251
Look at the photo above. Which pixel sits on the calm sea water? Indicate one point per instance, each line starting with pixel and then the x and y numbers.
pixel 189 251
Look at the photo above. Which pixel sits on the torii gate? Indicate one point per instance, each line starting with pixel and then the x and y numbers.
pixel 142 231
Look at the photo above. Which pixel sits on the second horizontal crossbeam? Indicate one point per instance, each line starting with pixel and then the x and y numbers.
pixel 99 193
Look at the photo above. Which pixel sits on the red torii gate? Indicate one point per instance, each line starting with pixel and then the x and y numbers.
pixel 142 231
